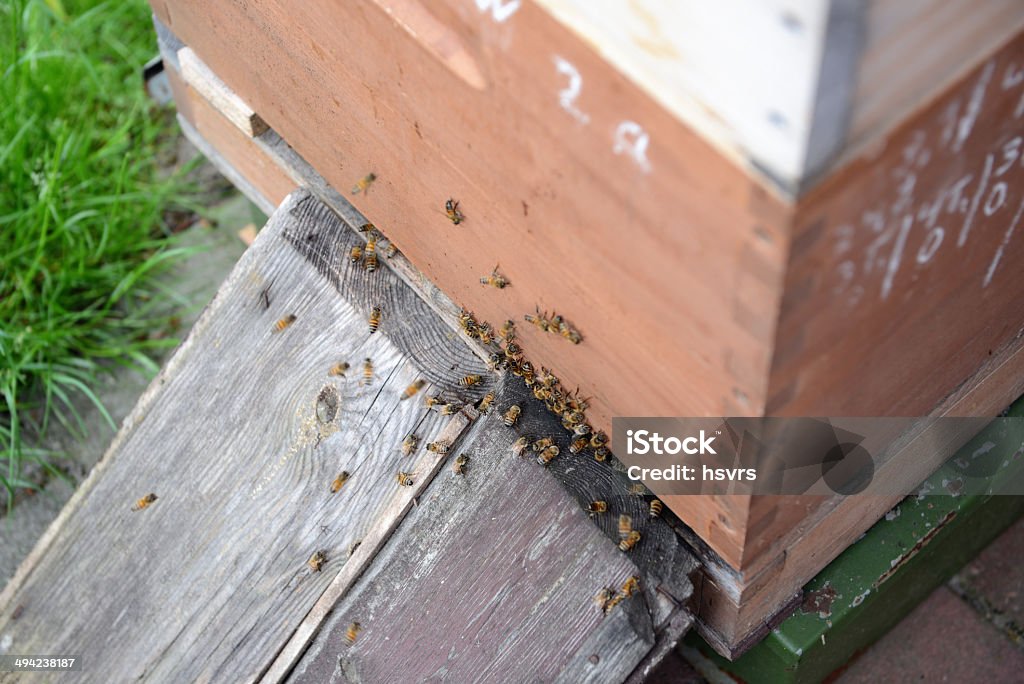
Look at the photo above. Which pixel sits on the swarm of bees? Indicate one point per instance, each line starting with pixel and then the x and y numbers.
pixel 375 315
pixel 316 561
pixel 495 280
pixel 363 184
pixel 451 209
pixel 352 633
pixel 144 502
pixel 339 481
pixel 367 254
pixel 554 324
pixel 459 466
pixel 284 322
pixel 412 389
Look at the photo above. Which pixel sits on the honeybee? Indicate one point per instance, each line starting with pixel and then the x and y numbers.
pixel 583 429
pixel 636 489
pixel 485 333
pixel 656 508
pixel 520 445
pixel 391 251
pixel 603 598
pixel 631 586
pixel 339 481
pixel 470 380
pixel 459 466
pixel 284 322
pixel 439 447
pixel 495 280
pixel 625 525
pixel 406 479
pixel 144 502
pixel 367 227
pixel 371 253
pixel 451 208
pixel 545 457
pixel 409 444
pixel 601 453
pixel 598 439
pixel 352 632
pixel 495 362
pixel 367 371
pixel 578 445
pixel 450 409
pixel 543 443
pixel 512 415
pixel 374 319
pixel 316 561
pixel 484 405
pixel 507 331
pixel 355 254
pixel 569 333
pixel 596 507
pixel 630 541
pixel 432 401
pixel 513 351
pixel 363 184
pixel 573 418
pixel 412 389
pixel 468 322
pixel 338 369
pixel 526 371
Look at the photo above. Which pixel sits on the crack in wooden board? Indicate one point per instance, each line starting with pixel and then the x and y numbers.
pixel 210 580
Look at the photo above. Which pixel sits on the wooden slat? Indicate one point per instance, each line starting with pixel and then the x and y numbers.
pixel 223 99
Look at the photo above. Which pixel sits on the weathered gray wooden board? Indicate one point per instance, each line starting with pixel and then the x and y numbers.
pixel 210 580
pixel 491 577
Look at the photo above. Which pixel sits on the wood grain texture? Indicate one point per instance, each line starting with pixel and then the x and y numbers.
pixel 211 579
pixel 223 99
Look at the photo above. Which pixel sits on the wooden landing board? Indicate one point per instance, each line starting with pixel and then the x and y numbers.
pixel 240 438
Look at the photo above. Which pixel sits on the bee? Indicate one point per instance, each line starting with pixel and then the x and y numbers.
pixel 316 561
pixel 578 445
pixel 364 183
pixel 339 481
pixel 631 586
pixel 512 415
pixel 603 598
pixel 507 331
pixel 601 453
pixel 468 322
pixel 495 362
pixel 598 439
pixel 338 369
pixel 459 466
pixel 656 508
pixel 432 401
pixel 637 489
pixel 495 280
pixel 540 319
pixel 367 227
pixel 484 405
pixel 615 600
pixel 630 541
pixel 513 351
pixel 439 447
pixel 144 502
pixel 526 371
pixel 406 479
pixel 542 443
pixel 374 319
pixel 412 389
pixel 625 525
pixel 485 333
pixel 569 333
pixel 355 254
pixel 520 445
pixel 391 251
pixel 573 418
pixel 516 366
pixel 545 457
pixel 583 429
pixel 352 632
pixel 596 507
pixel 450 409
pixel 451 208
pixel 371 253
pixel 409 444
pixel 367 371
pixel 284 322
pixel 470 380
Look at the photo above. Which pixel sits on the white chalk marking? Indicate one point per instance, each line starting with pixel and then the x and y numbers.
pixel 567 96
pixel 632 139
pixel 1002 246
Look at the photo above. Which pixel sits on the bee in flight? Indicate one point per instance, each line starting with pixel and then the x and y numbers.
pixel 339 481
pixel 284 322
pixel 470 380
pixel 316 561
pixel 512 415
pixel 412 389
pixel 352 632
pixel 374 319
pixel 409 444
pixel 495 280
pixel 625 526
pixel 367 371
pixel 451 208
pixel 459 466
pixel 338 369
pixel 656 508
pixel 363 184
pixel 144 502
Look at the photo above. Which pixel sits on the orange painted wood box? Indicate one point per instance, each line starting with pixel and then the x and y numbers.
pixel 725 244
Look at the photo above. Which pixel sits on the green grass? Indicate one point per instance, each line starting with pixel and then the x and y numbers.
pixel 81 200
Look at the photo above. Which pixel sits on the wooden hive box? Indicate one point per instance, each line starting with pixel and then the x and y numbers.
pixel 745 208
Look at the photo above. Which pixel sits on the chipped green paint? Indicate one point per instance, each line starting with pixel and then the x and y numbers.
pixel 882 577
